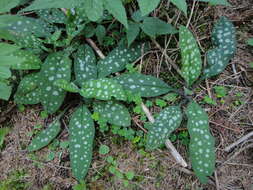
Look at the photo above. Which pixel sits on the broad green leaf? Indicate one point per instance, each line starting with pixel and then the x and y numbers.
pixel 25 25
pixel 5 72
pixel 145 85
pixel 224 40
pixel 9 60
pixel 30 61
pixel 6 49
pixel 45 136
pixel 85 65
pixel 217 2
pixel 103 89
pixel 166 122
pixel 191 57
pixel 202 150
pixel 93 9
pixel 56 66
pixel 52 15
pixel 118 58
pixel 26 40
pixel 28 91
pixel 81 136
pixel 7 5
pixel 65 85
pixel 154 27
pixel 113 113
pixel 147 6
pixel 132 32
pixel 250 42
pixel 116 8
pixel 48 4
pixel 5 91
pixel 181 4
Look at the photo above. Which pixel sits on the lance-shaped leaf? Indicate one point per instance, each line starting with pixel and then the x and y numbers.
pixel 65 85
pixel 45 136
pixel 5 91
pixel 118 59
pixel 28 90
pixel 56 66
pixel 27 25
pixel 81 136
pixel 103 89
pixel 30 61
pixel 224 38
pixel 7 5
pixel 6 49
pixel 202 150
pixel 166 122
pixel 191 57
pixel 147 6
pixel 113 113
pixel 145 85
pixel 85 65
pixel 93 9
pixel 26 40
pixel 52 15
pixel 217 2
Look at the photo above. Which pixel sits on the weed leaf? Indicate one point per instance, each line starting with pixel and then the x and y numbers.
pixel 181 4
pixel 81 136
pixel 132 32
pixel 166 122
pixel 93 9
pixel 147 6
pixel 202 151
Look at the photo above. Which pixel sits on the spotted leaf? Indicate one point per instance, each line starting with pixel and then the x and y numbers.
pixel 85 65
pixel 113 113
pixel 224 40
pixel 202 150
pixel 145 85
pixel 103 89
pixel 45 136
pixel 30 61
pixel 118 59
pixel 81 136
pixel 28 91
pixel 52 15
pixel 166 122
pixel 65 85
pixel 56 66
pixel 191 57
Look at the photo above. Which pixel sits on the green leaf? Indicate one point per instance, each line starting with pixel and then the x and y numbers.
pixel 52 15
pixel 48 4
pixel 85 65
pixel 147 6
pixel 116 8
pixel 81 131
pixel 130 175
pixel 30 61
pixel 145 85
pixel 103 89
pixel 154 27
pixel 9 60
pixel 65 85
pixel 181 4
pixel 118 58
pixel 217 2
pixel 3 132
pixel 100 33
pixel 56 66
pixel 5 91
pixel 191 57
pixel 132 32
pixel 6 49
pixel 113 113
pixel 224 40
pixel 5 72
pixel 93 9
pixel 202 150
pixel 103 149
pixel 250 42
pixel 7 5
pixel 166 122
pixel 45 136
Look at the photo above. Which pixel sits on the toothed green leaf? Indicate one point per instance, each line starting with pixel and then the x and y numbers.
pixel 147 6
pixel 81 136
pixel 30 61
pixel 191 57
pixel 166 122
pixel 103 89
pixel 56 66
pixel 202 150
pixel 224 38
pixel 45 136
pixel 85 65
pixel 65 85
pixel 118 59
pixel 145 85
pixel 52 15
pixel 93 9
pixel 113 113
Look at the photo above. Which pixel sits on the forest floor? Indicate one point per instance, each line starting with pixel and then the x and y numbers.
pixel 230 119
